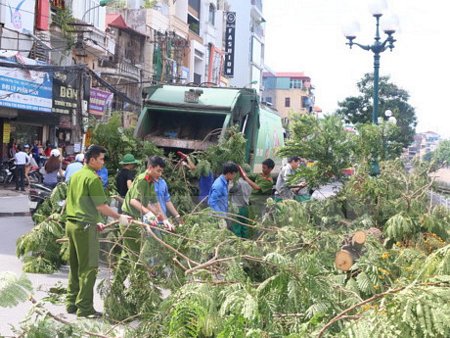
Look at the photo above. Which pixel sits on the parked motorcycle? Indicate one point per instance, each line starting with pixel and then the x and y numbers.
pixel 35 176
pixel 37 195
pixel 7 171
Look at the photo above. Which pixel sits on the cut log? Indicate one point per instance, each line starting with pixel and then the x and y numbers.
pixel 359 237
pixel 343 260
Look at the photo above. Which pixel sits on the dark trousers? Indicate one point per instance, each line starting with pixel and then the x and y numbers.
pixel 20 176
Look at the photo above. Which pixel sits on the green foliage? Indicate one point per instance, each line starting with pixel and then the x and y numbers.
pixel 416 311
pixel 119 141
pixel 400 227
pixel 230 148
pixel 442 153
pixel 13 290
pixel 64 19
pixel 324 141
pixel 358 109
pixel 38 248
pixel 377 142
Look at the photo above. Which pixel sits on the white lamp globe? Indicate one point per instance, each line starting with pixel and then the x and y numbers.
pixel 377 7
pixel 390 23
pixel 392 120
pixel 351 29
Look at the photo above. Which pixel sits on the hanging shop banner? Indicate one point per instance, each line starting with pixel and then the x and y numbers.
pixel 100 101
pixel 230 30
pixel 215 64
pixel 22 88
pixel 19 15
pixel 66 93
pixel 6 132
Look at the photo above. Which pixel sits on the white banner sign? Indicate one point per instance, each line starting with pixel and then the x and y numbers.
pixel 19 15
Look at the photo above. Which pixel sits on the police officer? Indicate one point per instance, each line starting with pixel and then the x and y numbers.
pixel 141 203
pixel 86 200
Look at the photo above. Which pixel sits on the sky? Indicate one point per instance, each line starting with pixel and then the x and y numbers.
pixel 306 36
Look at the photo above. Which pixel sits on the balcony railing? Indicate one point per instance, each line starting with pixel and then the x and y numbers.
pixel 122 68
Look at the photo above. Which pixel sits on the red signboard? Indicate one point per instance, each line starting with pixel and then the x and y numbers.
pixel 43 12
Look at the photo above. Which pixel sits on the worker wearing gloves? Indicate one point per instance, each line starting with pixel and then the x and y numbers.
pixel 140 203
pixel 86 200
pixel 262 187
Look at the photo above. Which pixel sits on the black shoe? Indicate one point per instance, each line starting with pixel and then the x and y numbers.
pixel 17 189
pixel 71 309
pixel 94 315
pixel 22 189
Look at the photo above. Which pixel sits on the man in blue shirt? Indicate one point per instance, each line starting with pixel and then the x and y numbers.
pixel 72 168
pixel 162 193
pixel 218 195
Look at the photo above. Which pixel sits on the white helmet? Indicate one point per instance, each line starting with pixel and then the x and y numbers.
pixel 79 158
pixel 55 153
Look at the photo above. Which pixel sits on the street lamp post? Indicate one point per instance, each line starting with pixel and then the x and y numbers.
pixel 389 26
pixel 102 3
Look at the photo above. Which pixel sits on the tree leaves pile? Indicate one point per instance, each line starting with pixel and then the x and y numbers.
pixel 38 248
pixel 283 282
pixel 120 141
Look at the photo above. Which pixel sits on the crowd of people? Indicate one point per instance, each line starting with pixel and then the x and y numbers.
pixel 145 197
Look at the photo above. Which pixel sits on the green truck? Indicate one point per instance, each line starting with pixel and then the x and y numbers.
pixel 188 118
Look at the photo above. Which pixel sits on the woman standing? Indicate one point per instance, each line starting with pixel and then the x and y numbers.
pixel 52 168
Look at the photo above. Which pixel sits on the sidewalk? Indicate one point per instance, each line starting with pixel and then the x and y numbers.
pixel 13 203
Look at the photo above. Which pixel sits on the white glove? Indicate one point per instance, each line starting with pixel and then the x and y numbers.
pixel 124 220
pixel 149 218
pixel 223 224
pixel 169 226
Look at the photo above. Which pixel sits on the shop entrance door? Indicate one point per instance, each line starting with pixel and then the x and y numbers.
pixel 25 133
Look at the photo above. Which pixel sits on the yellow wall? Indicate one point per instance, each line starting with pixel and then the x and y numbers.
pixel 278 100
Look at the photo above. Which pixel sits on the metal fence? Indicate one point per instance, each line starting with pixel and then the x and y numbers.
pixel 437 199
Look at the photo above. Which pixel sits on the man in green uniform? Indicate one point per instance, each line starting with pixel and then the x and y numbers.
pixel 86 200
pixel 262 188
pixel 141 203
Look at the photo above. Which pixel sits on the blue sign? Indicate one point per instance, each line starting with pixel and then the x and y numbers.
pixel 22 88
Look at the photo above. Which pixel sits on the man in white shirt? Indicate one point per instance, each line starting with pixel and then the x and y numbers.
pixel 21 159
pixel 284 190
pixel 72 168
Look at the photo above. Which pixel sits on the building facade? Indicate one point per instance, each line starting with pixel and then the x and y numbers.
pixel 123 50
pixel 423 145
pixel 249 44
pixel 289 93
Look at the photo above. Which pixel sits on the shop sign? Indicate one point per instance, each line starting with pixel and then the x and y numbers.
pixel 215 64
pixel 6 132
pixel 66 93
pixel 230 30
pixel 100 101
pixel 22 88
pixel 19 15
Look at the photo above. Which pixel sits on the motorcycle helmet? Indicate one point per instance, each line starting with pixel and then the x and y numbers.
pixel 55 153
pixel 79 158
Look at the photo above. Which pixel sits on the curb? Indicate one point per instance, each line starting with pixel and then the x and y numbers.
pixel 14 214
